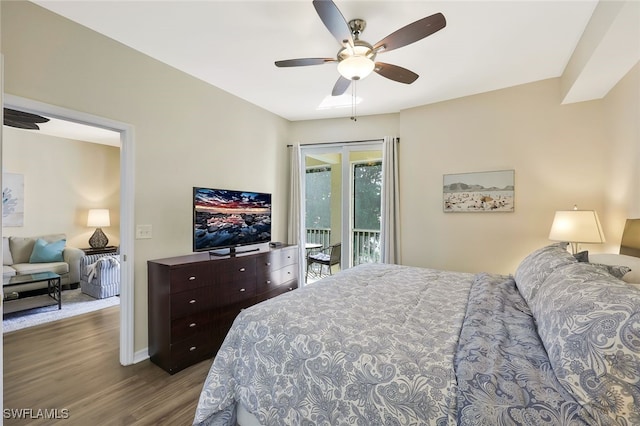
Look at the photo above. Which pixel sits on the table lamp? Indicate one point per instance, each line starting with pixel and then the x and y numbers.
pixel 576 226
pixel 98 218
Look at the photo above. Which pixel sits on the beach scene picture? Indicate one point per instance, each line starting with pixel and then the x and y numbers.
pixel 479 192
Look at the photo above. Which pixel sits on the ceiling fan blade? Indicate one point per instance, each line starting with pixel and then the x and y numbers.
pixel 412 32
pixel 22 120
pixel 24 116
pixel 395 73
pixel 334 21
pixel 20 124
pixel 302 62
pixel 341 86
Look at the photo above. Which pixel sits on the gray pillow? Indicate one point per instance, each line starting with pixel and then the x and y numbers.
pixel 21 248
pixel 583 256
pixel 6 252
pixel 617 271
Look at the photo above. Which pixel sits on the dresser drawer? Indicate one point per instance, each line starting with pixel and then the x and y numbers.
pixel 269 280
pixel 188 326
pixel 192 350
pixel 192 301
pixel 277 259
pixel 236 291
pixel 191 276
pixel 224 317
pixel 277 291
pixel 238 269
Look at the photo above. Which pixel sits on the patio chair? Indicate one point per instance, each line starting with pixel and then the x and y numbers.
pixel 325 257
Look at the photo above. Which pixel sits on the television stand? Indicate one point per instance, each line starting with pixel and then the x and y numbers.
pixel 232 251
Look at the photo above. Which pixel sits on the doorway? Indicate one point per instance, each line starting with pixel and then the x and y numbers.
pixel 127 356
pixel 342 193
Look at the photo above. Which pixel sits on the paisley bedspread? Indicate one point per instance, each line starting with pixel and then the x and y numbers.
pixel 515 384
pixel 389 345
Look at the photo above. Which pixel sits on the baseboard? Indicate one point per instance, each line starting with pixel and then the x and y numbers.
pixel 141 355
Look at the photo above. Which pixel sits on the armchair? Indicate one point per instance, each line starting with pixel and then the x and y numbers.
pixel 100 275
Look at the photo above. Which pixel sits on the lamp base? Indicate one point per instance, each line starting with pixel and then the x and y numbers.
pixel 98 239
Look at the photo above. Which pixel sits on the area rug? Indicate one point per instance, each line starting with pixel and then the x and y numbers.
pixel 74 302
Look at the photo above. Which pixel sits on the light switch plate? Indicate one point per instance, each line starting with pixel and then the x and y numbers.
pixel 143 232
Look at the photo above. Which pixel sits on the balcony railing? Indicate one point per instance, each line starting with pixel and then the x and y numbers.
pixel 320 236
pixel 366 246
pixel 366 243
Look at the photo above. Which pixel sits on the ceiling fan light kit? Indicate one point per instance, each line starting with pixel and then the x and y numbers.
pixel 355 67
pixel 356 58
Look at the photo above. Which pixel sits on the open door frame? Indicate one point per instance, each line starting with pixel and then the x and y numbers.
pixel 127 355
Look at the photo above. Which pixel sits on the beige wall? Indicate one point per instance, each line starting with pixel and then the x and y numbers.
pixel 63 179
pixel 622 125
pixel 188 133
pixel 556 152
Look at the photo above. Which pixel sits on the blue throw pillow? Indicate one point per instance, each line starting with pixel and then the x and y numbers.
pixel 44 252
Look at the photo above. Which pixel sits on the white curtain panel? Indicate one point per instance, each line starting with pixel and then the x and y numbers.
pixel 390 236
pixel 295 206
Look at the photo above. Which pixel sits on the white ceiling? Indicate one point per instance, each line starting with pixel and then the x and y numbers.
pixel 486 45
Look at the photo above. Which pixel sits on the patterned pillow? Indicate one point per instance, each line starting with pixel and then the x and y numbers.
pixel 537 266
pixel 589 323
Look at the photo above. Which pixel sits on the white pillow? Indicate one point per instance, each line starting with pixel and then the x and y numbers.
pixel 632 276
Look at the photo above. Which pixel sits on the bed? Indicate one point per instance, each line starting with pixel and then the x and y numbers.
pixel 557 343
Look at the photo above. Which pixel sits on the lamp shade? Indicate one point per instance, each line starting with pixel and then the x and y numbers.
pixel 98 218
pixel 576 226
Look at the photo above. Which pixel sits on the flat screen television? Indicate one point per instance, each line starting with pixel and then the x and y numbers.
pixel 224 220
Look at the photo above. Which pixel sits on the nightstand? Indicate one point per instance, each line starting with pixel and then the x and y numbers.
pixel 108 249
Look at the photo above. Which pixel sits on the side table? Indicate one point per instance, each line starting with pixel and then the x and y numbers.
pixel 108 249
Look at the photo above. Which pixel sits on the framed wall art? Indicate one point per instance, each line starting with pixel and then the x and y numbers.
pixel 479 191
pixel 12 199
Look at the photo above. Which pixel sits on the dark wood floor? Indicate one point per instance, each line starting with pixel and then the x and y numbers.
pixel 73 365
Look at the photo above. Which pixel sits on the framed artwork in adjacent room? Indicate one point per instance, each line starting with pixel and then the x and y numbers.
pixel 479 191
pixel 12 199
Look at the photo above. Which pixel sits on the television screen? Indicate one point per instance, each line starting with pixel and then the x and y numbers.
pixel 227 219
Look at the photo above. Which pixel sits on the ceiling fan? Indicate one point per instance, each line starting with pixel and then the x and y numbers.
pixel 22 120
pixel 356 58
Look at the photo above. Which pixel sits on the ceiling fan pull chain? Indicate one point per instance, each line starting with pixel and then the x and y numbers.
pixel 353 100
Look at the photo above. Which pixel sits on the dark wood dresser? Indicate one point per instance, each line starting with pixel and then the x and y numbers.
pixel 194 299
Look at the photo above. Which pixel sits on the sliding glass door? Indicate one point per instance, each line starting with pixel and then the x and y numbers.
pixel 341 193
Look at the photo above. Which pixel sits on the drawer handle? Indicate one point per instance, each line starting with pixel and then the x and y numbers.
pixel 290 288
pixel 192 348
pixel 193 324
pixel 268 281
pixel 192 301
pixel 268 264
pixel 192 278
pixel 242 289
pixel 242 269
